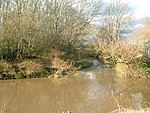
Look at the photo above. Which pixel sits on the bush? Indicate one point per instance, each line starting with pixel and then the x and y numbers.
pixel 84 63
pixel 62 67
pixel 6 71
pixel 21 37
pixel 30 69
pixel 32 30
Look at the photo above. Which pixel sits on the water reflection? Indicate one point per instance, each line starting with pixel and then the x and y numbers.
pixel 93 91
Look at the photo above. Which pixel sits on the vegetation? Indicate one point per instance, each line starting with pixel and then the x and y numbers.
pixel 131 111
pixel 114 49
pixel 54 38
pixel 37 29
pixel 117 18
pixel 56 32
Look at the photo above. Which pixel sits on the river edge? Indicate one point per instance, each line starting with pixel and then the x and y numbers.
pixel 42 68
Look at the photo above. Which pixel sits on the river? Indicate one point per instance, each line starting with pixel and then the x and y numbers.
pixel 93 90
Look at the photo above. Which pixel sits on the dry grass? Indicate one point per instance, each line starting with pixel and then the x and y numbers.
pixel 131 111
pixel 62 66
pixel 30 66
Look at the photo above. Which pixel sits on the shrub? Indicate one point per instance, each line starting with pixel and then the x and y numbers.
pixel 6 71
pixel 84 63
pixel 21 36
pixel 34 28
pixel 30 69
pixel 61 66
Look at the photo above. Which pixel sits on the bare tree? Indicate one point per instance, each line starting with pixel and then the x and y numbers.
pixel 141 36
pixel 116 19
pixel 31 26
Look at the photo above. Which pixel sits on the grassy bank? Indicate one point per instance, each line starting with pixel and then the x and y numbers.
pixel 41 67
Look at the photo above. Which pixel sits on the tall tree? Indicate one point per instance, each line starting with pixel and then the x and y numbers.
pixel 117 17
pixel 31 26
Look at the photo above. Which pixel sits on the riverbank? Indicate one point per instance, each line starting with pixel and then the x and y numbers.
pixel 39 68
pixel 57 68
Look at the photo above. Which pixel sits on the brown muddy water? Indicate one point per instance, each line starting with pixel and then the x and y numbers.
pixel 90 91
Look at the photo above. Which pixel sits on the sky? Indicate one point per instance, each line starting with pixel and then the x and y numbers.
pixel 141 7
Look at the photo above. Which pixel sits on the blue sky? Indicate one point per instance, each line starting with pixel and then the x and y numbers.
pixel 141 7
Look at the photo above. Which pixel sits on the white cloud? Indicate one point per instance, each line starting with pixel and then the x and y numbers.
pixel 142 7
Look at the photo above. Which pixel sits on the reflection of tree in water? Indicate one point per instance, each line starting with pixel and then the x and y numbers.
pixel 10 97
pixel 131 93
pixel 92 92
pixel 98 92
pixel 56 96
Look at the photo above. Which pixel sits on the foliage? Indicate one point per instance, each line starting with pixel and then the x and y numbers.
pixel 6 70
pixel 37 29
pixel 34 28
pixel 20 37
pixel 130 56
pixel 61 66
pixel 142 34
pixel 145 68
pixel 84 63
pixel 55 30
pixel 129 53
pixel 117 18
pixel 29 69
pixel 124 51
